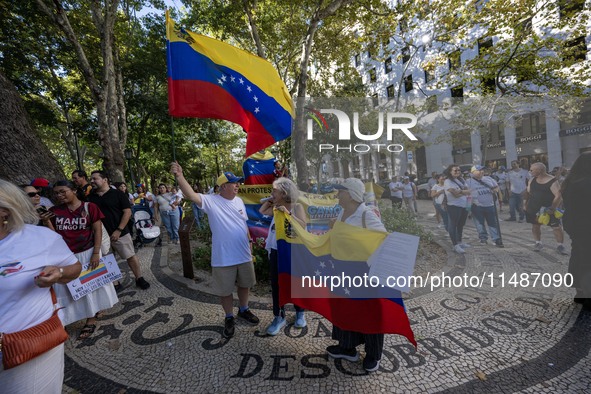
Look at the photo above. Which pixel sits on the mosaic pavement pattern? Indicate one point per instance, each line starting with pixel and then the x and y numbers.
pixel 471 340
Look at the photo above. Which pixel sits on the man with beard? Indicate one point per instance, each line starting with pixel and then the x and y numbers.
pixel 114 204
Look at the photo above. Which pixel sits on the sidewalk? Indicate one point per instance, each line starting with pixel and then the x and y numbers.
pixel 485 340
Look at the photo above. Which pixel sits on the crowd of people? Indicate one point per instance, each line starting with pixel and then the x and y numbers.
pixel 48 235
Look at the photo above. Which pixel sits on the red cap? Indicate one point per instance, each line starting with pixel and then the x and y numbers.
pixel 40 182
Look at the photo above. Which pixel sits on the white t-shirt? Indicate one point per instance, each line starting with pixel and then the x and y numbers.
pixel 271 241
pixel 439 198
pixel 407 191
pixel 451 200
pixel 227 220
pixel 23 255
pixel 518 180
pixel 165 200
pixel 482 195
pixel 395 193
pixel 372 221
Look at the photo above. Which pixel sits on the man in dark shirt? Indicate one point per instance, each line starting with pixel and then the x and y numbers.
pixel 115 205
pixel 80 179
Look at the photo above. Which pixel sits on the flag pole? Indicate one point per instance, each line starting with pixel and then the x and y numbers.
pixel 173 145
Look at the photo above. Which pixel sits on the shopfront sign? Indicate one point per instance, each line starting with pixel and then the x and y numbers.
pixel 585 129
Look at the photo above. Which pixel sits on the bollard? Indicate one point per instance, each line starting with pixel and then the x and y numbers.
pixel 184 240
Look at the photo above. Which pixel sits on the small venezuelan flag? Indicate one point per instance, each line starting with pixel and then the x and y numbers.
pixel 87 276
pixel 208 78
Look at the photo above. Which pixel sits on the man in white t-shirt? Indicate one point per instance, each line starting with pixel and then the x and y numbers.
pixel 517 180
pixel 231 255
pixel 395 192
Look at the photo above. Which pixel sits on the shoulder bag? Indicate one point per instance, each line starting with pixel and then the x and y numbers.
pixel 19 347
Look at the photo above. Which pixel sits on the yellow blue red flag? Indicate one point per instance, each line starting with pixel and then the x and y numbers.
pixel 208 78
pixel 310 265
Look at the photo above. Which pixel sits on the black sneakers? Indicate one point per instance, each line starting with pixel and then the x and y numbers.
pixel 370 364
pixel 229 324
pixel 248 316
pixel 335 351
pixel 142 283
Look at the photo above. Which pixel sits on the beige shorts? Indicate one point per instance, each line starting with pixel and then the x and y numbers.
pixel 226 278
pixel 124 247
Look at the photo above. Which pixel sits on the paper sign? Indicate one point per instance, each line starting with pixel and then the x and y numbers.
pixel 91 279
pixel 395 257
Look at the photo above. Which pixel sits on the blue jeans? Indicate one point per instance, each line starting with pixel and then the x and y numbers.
pixel 171 221
pixel 457 219
pixel 443 214
pixel 516 204
pixel 485 214
pixel 198 215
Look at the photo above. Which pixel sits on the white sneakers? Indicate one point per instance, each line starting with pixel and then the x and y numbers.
pixel 458 249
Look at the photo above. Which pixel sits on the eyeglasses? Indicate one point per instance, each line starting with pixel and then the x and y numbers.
pixel 456 170
pixel 33 194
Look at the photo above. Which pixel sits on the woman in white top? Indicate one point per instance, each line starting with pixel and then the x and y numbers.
pixel 283 198
pixel 438 195
pixel 456 192
pixel 32 259
pixel 356 213
pixel 167 204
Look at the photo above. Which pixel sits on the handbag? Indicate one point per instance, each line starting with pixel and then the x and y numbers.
pixel 106 240
pixel 21 346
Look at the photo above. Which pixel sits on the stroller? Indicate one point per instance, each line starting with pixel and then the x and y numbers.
pixel 145 227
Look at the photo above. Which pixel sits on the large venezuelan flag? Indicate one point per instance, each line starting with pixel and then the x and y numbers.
pixel 208 78
pixel 342 251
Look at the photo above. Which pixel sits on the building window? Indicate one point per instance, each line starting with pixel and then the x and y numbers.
pixel 388 65
pixel 582 118
pixel 483 44
pixel 530 124
pixel 488 86
pixel 357 60
pixel 374 99
pixel 575 50
pixel 431 104
pixel 496 132
pixel 372 75
pixel 460 140
pixel 457 94
pixel 570 8
pixel 524 27
pixel 455 61
pixel 428 76
pixel 408 86
pixel 390 91
pixel 405 55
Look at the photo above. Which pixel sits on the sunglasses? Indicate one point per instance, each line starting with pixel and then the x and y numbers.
pixel 33 194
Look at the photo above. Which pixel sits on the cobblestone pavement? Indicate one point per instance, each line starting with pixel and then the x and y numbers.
pixel 471 340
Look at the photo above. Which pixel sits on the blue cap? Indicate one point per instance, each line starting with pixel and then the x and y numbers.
pixel 477 168
pixel 228 177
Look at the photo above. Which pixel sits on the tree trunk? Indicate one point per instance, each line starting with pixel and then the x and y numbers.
pixel 298 137
pixel 110 105
pixel 22 154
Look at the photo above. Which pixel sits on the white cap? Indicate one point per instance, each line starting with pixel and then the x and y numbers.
pixel 354 186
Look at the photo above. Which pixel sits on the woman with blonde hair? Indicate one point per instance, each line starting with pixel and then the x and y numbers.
pixel 32 260
pixel 284 198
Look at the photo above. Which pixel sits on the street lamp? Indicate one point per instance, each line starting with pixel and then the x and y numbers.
pixel 129 156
